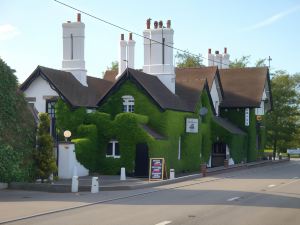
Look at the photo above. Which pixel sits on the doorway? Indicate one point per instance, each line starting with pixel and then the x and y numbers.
pixel 218 154
pixel 141 160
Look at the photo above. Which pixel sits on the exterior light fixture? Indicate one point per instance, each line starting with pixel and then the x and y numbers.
pixel 67 134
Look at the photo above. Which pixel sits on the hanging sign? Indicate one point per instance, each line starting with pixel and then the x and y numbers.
pixel 156 170
pixel 191 125
pixel 247 117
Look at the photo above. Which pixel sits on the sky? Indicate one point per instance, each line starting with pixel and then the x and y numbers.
pixel 31 30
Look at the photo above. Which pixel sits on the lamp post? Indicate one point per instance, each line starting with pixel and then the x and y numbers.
pixel 67 134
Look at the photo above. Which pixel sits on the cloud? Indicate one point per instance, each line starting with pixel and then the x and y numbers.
pixel 273 19
pixel 8 31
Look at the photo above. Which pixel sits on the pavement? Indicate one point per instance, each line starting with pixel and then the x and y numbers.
pixel 113 183
pixel 258 194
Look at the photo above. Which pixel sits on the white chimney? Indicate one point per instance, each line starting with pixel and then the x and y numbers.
pixel 225 59
pixel 158 53
pixel 210 58
pixel 73 49
pixel 122 56
pixel 130 49
pixel 218 59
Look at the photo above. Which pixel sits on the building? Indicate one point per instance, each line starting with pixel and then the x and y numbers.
pixel 188 116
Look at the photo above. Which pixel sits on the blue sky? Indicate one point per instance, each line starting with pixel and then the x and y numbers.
pixel 31 33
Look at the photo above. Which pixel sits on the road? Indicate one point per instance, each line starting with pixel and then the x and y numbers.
pixel 268 195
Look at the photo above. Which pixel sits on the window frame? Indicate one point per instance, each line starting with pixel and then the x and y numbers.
pixel 113 155
pixel 128 103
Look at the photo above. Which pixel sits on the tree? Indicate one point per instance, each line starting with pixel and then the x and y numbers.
pixel 283 121
pixel 260 63
pixel 188 60
pixel 240 63
pixel 114 66
pixel 44 157
pixel 17 129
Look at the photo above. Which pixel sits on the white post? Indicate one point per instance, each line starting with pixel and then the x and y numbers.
pixel 74 184
pixel 95 185
pixel 172 174
pixel 130 51
pixel 123 174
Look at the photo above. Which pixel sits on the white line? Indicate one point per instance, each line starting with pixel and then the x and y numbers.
pixel 163 223
pixel 233 199
pixel 271 185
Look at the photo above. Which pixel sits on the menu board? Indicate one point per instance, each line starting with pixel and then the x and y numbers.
pixel 157 166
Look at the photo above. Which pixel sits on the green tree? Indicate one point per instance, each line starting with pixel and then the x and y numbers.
pixel 261 63
pixel 188 60
pixel 17 128
pixel 44 158
pixel 283 121
pixel 114 66
pixel 240 63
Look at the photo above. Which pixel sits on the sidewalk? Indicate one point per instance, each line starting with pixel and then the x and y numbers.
pixel 113 183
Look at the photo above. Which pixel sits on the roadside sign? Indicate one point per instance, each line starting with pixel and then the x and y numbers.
pixel 156 170
pixel 293 151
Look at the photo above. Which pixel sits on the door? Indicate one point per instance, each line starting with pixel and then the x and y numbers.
pixel 218 154
pixel 141 160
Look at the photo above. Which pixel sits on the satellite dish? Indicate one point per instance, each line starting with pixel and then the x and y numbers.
pixel 203 111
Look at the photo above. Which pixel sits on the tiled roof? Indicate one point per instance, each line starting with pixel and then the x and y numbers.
pixel 110 75
pixel 70 88
pixel 243 87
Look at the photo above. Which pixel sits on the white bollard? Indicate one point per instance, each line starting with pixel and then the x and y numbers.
pixel 172 174
pixel 123 174
pixel 74 184
pixel 95 185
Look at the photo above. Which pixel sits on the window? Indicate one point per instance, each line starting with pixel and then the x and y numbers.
pixel 128 103
pixel 50 108
pixel 113 149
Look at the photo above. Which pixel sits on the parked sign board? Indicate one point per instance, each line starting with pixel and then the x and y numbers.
pixel 156 170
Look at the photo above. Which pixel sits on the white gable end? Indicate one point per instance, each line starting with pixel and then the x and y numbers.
pixel 40 90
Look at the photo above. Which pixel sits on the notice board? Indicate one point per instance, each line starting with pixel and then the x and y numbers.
pixel 156 169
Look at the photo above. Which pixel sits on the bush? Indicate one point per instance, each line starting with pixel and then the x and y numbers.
pixel 9 164
pixel 44 157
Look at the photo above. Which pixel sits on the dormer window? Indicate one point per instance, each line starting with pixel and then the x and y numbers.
pixel 128 103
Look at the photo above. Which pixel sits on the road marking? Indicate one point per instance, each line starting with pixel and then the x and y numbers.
pixel 271 185
pixel 233 199
pixel 163 223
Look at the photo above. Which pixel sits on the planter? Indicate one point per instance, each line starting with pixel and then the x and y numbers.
pixel 203 169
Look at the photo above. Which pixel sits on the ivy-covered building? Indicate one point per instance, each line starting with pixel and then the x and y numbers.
pixel 188 116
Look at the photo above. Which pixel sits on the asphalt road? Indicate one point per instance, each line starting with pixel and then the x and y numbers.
pixel 268 195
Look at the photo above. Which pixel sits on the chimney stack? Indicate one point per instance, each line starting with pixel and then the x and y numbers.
pixel 73 49
pixel 122 56
pixel 169 24
pixel 210 58
pixel 148 23
pixel 225 60
pixel 158 58
pixel 78 17
pixel 130 51
pixel 218 59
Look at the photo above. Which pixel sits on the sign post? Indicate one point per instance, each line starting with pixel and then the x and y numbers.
pixel 156 169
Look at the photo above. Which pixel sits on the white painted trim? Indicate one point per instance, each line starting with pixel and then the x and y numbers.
pixel 114 142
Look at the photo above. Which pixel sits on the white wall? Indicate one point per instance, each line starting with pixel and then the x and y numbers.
pixel 215 96
pixel 41 90
pixel 67 162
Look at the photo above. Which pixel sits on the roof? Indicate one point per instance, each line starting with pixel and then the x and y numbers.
pixel 110 75
pixel 153 87
pixel 193 74
pixel 152 132
pixel 243 87
pixel 226 124
pixel 68 87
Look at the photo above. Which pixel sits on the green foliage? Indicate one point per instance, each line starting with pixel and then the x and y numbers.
pixel 240 63
pixel 9 164
pixel 186 59
pixel 17 127
pixel 67 118
pixel 237 117
pixel 283 121
pixel 261 63
pixel 44 158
